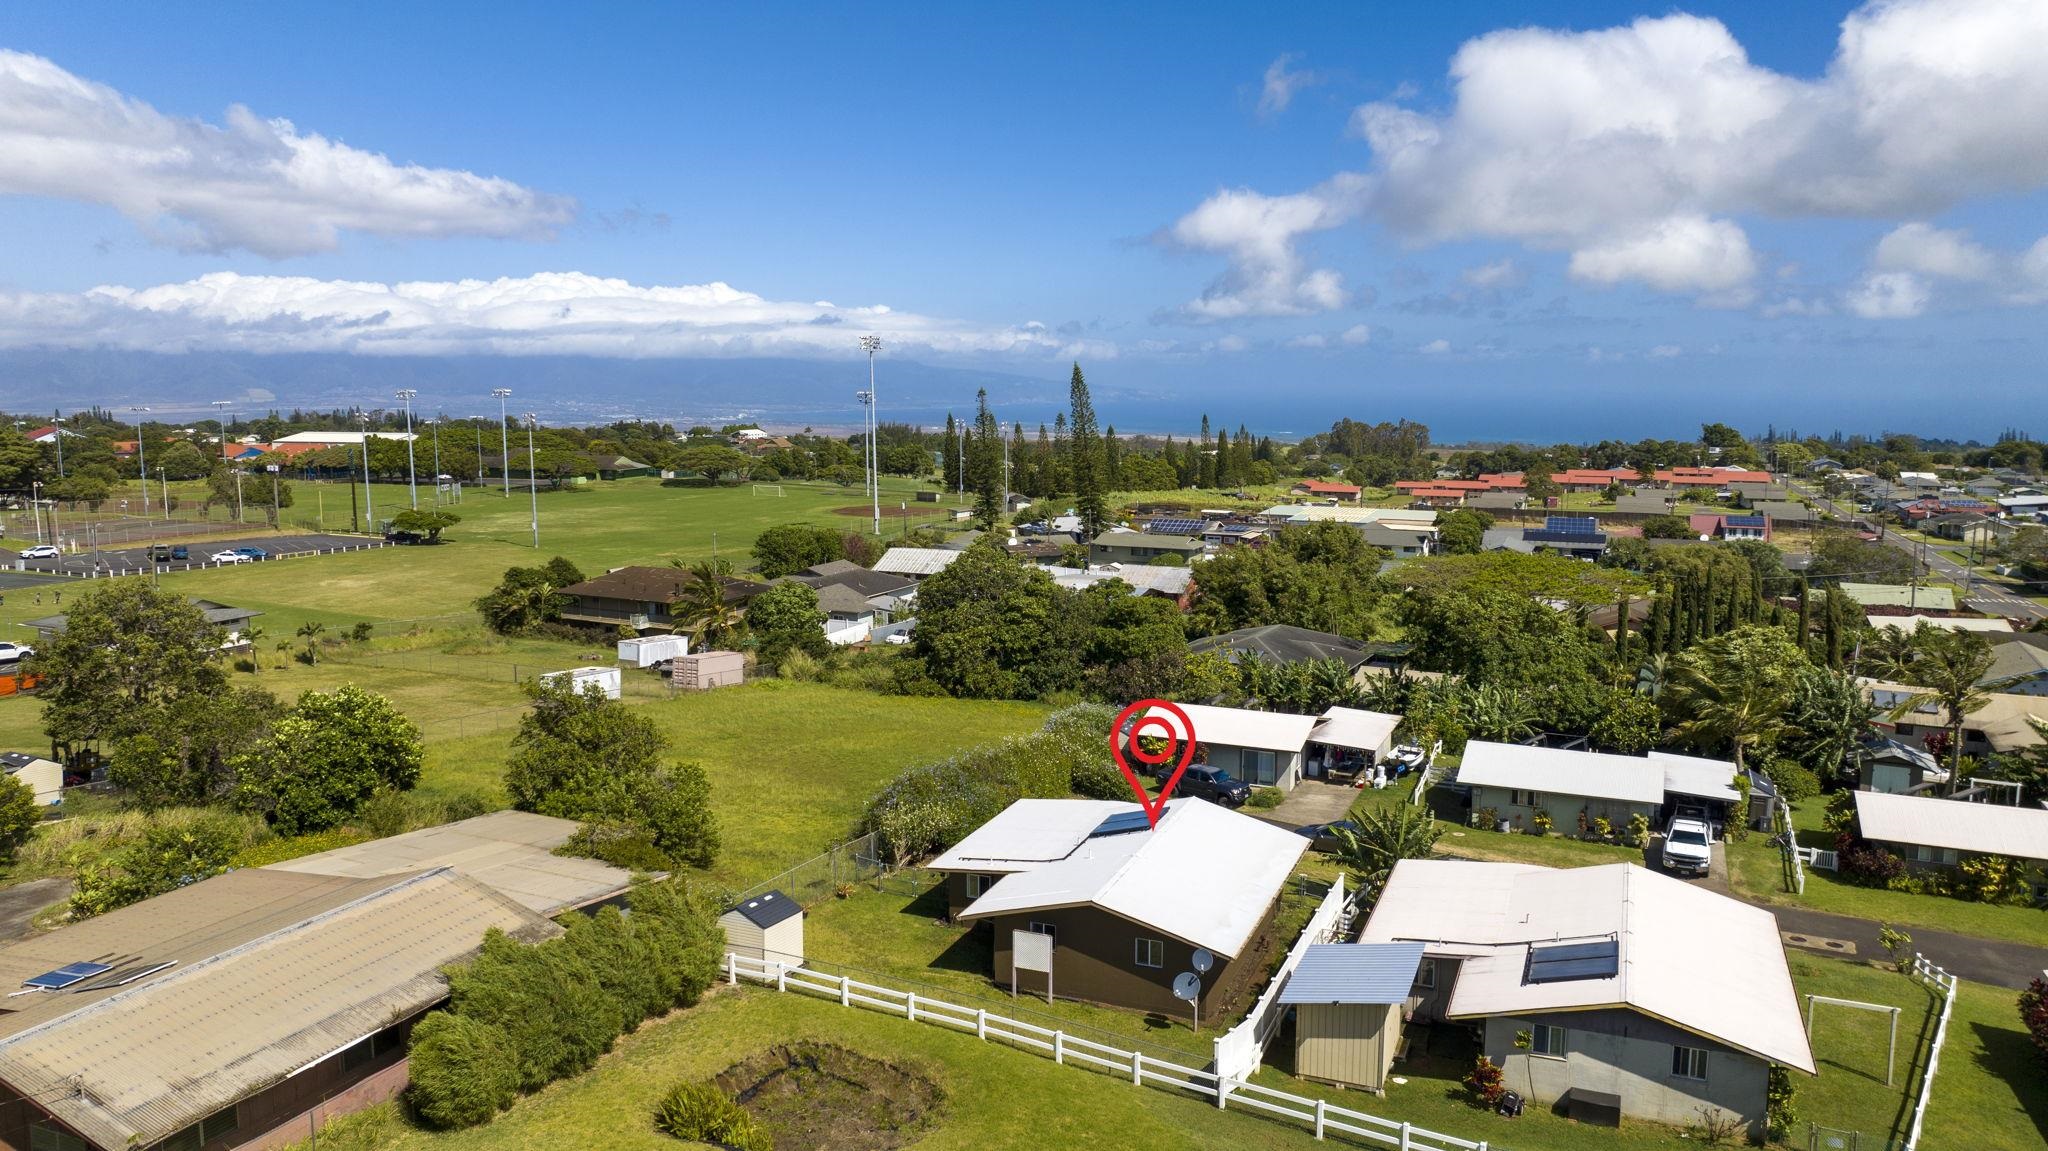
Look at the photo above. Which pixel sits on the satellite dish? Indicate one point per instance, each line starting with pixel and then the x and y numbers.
pixel 1187 985
pixel 1202 961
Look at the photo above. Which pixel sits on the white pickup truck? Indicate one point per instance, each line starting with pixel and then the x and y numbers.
pixel 1688 844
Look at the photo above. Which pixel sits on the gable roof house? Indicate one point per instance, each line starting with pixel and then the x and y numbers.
pixel 1127 547
pixel 1327 489
pixel 1126 904
pixel 1263 748
pixel 238 1011
pixel 1169 583
pixel 2019 666
pixel 642 597
pixel 1639 993
pixel 1519 780
pixel 1285 643
pixel 1645 502
pixel 1714 526
pixel 1940 833
pixel 915 563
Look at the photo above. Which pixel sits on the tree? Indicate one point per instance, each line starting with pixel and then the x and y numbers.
pixel 991 627
pixel 1828 719
pixel 529 596
pixel 430 522
pixel 1667 528
pixel 19 814
pixel 714 460
pixel 331 752
pixel 1462 531
pixel 169 856
pixel 182 461
pixel 126 648
pixel 310 631
pixel 1385 836
pixel 184 752
pixel 21 461
pixel 462 1071
pixel 1088 458
pixel 786 618
pixel 2034 1014
pixel 1947 666
pixel 985 464
pixel 789 548
pixel 1840 555
pixel 703 610
pixel 1733 691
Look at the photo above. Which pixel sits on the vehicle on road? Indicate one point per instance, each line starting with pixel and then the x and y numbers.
pixel 1214 784
pixel 9 652
pixel 253 553
pixel 42 552
pixel 1323 836
pixel 1688 843
pixel 403 537
pixel 230 557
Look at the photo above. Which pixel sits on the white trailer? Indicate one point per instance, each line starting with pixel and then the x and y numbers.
pixel 648 650
pixel 580 678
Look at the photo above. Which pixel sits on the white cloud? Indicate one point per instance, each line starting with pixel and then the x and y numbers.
pixel 1502 273
pixel 1887 296
pixel 1938 252
pixel 1355 336
pixel 552 313
pixel 1666 352
pixel 2034 274
pixel 1309 341
pixel 1358 334
pixel 1796 306
pixel 252 183
pixel 1267 275
pixel 1591 142
pixel 1435 347
pixel 1281 84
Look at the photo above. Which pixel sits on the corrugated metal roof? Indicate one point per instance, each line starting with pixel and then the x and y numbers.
pixel 1354 728
pixel 1594 774
pixel 1982 828
pixel 1028 833
pixel 915 561
pixel 1354 973
pixel 274 971
pixel 1239 727
pixel 511 852
pixel 1900 595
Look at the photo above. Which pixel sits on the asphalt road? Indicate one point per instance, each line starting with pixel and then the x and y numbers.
pixel 123 560
pixel 1985 595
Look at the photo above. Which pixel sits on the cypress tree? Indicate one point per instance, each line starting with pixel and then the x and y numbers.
pixel 1653 627
pixel 1205 476
pixel 1621 629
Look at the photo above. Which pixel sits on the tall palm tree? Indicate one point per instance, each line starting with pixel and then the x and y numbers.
pixel 1385 836
pixel 1888 654
pixel 701 609
pixel 1946 666
pixel 1733 690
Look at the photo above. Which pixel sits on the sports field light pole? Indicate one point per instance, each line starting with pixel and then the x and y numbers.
pixel 436 425
pixel 532 484
pixel 871 345
pixel 412 479
pixel 369 500
pixel 220 416
pixel 141 461
pixel 504 442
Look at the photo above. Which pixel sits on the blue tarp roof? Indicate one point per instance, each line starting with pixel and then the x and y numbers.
pixel 1354 973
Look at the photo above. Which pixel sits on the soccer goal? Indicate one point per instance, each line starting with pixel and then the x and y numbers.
pixel 768 489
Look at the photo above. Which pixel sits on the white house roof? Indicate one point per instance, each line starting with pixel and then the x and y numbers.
pixel 1594 774
pixel 1424 518
pixel 1351 727
pixel 1982 828
pixel 1238 727
pixel 1142 577
pixel 1908 623
pixel 1900 595
pixel 1697 776
pixel 1205 875
pixel 335 438
pixel 915 561
pixel 1697 960
pixel 1028 833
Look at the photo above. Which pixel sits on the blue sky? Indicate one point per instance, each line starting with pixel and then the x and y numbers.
pixel 1511 221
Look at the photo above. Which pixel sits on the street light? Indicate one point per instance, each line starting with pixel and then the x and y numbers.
pixel 532 488
pixel 412 480
pixel 872 344
pixel 504 441
pixel 369 500
pixel 141 461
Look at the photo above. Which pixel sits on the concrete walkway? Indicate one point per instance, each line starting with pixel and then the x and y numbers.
pixel 1311 801
pixel 19 904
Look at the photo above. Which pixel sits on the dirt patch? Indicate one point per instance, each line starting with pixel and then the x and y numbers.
pixel 822 1096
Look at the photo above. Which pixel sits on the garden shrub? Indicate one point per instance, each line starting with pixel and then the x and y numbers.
pixel 619 844
pixel 701 1113
pixel 463 1072
pixel 1486 1080
pixel 1992 879
pixel 1794 780
pixel 2034 1014
pixel 1266 798
pixel 1869 866
pixel 1779 1114
pixel 547 1001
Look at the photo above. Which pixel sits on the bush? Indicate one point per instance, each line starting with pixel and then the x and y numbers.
pixel 463 1072
pixel 1779 1114
pixel 701 1113
pixel 1869 866
pixel 1266 798
pixel 19 815
pixel 1487 1082
pixel 1793 780
pixel 619 844
pixel 545 999
pixel 169 856
pixel 2034 1014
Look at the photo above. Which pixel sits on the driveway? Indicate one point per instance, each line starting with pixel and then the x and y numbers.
pixel 1311 801
pixel 1998 962
pixel 1716 878
pixel 19 904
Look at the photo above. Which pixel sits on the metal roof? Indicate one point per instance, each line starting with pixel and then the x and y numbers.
pixel 1697 776
pixel 1910 623
pixel 1900 595
pixel 1028 833
pixel 511 852
pixel 1285 643
pixel 1979 828
pixel 1354 973
pixel 1239 727
pixel 1355 728
pixel 915 561
pixel 1553 770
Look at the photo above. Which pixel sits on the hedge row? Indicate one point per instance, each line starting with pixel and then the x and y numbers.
pixel 520 1016
pixel 933 806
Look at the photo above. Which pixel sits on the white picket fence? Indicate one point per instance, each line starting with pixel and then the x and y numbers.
pixel 1925 972
pixel 1240 1050
pixel 1319 1116
pixel 1818 858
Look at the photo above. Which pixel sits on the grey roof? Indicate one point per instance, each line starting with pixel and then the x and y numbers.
pixel 1147 540
pixel 768 909
pixel 218 614
pixel 1505 539
pixel 2015 660
pixel 830 568
pixel 1354 973
pixel 1786 510
pixel 840 599
pixel 1285 643
pixel 915 561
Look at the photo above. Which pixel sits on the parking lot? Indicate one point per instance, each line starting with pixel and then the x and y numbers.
pixel 124 561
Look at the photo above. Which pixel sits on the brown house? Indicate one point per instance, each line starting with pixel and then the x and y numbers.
pixel 218 1016
pixel 1127 904
pixel 642 598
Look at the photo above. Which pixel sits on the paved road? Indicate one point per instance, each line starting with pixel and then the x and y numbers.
pixel 1987 596
pixel 1999 962
pixel 124 560
pixel 19 904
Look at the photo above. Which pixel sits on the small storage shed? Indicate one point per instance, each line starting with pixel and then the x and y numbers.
pixel 709 669
pixel 579 678
pixel 1348 1001
pixel 767 928
pixel 648 650
pixel 45 777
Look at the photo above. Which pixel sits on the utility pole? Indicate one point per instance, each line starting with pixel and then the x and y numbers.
pixel 59 422
pixel 141 461
pixel 872 344
pixel 238 496
pixel 355 521
pixel 369 499
pixel 165 480
pixel 532 482
pixel 220 416
pixel 504 442
pixel 412 479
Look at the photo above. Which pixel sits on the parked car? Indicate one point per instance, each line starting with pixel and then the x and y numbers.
pixel 229 557
pixel 1214 784
pixel 253 553
pixel 1688 843
pixel 180 552
pixel 42 552
pixel 9 652
pixel 403 537
pixel 1323 836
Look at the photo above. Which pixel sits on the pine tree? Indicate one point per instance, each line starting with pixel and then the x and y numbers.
pixel 1206 476
pixel 1090 485
pixel 949 456
pixel 1112 461
pixel 985 464
pixel 1061 474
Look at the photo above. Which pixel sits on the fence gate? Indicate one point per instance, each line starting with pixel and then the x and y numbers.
pixel 1819 1138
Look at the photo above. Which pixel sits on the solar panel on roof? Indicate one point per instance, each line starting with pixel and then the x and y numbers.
pixel 1555 963
pixel 66 975
pixel 1120 823
pixel 1575 525
pixel 1174 527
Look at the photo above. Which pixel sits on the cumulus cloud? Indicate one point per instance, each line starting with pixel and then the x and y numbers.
pixel 1502 273
pixel 1666 352
pixel 1281 83
pixel 1355 336
pixel 1887 296
pixel 555 313
pixel 1259 234
pixel 1435 347
pixel 246 183
pixel 1932 251
pixel 1630 147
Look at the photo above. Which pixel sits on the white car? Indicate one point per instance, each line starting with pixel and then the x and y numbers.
pixel 42 552
pixel 9 652
pixel 1688 846
pixel 228 558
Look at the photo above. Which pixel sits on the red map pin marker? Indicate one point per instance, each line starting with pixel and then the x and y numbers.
pixel 1124 746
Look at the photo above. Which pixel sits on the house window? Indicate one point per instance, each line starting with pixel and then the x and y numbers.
pixel 977 885
pixel 1040 928
pixel 1942 855
pixel 1546 1040
pixel 1425 976
pixel 1150 953
pixel 1257 766
pixel 1689 1062
pixel 1520 798
pixel 42 1138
